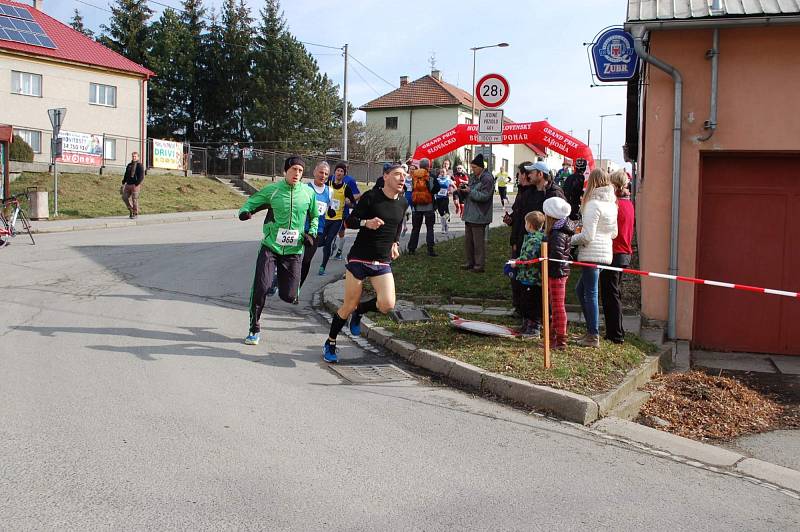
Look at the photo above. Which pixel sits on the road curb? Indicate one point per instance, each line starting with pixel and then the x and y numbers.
pixel 130 223
pixel 564 404
pixel 700 453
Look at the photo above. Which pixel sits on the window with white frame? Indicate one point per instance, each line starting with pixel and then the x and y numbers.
pixel 110 149
pixel 102 95
pixel 33 138
pixel 26 83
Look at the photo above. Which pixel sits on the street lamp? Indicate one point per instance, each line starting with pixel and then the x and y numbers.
pixel 474 54
pixel 601 132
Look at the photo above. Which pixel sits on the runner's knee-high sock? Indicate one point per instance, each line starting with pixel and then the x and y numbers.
pixel 370 305
pixel 336 326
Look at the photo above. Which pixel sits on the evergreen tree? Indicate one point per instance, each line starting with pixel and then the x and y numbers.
pixel 127 30
pixel 211 82
pixel 294 107
pixel 235 68
pixel 77 24
pixel 165 111
pixel 189 62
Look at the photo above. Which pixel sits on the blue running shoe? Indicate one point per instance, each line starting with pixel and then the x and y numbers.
pixel 355 324
pixel 329 353
pixel 322 270
pixel 252 339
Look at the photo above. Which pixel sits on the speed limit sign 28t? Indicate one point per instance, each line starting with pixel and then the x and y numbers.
pixel 492 90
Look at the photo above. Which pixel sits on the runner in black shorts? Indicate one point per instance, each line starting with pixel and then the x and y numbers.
pixel 379 215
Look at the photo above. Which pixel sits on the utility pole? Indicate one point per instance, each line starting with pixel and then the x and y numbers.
pixel 344 109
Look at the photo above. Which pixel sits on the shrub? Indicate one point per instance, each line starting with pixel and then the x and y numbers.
pixel 20 151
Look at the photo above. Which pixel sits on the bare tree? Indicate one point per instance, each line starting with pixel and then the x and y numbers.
pixel 370 142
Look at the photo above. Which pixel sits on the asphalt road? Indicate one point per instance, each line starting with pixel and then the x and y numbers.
pixel 127 401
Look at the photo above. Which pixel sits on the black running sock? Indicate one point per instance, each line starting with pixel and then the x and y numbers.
pixel 371 305
pixel 336 326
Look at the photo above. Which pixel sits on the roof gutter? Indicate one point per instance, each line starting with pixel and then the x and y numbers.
pixel 711 23
pixel 673 72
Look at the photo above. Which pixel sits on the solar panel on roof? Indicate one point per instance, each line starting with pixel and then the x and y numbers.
pixel 18 25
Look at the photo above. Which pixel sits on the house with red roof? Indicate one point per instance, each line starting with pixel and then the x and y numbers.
pixel 45 64
pixel 422 109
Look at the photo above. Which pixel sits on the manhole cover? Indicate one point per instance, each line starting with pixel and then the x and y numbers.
pixel 371 373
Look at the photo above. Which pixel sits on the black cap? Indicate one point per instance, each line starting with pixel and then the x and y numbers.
pixel 478 160
pixel 293 160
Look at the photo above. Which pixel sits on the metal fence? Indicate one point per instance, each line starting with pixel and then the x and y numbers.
pixel 215 159
pixel 233 160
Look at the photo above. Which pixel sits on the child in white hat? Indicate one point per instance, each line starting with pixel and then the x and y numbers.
pixel 558 231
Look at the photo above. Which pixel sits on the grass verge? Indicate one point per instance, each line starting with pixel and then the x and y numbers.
pixel 578 369
pixel 93 196
pixel 440 279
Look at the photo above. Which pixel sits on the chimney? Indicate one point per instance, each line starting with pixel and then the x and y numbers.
pixel 436 74
pixel 403 80
pixel 38 5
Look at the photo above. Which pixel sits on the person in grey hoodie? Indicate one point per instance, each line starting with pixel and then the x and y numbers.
pixel 479 192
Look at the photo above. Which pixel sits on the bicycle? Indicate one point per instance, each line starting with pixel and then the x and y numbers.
pixel 9 223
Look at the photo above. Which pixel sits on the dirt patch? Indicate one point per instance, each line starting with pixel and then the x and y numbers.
pixel 702 407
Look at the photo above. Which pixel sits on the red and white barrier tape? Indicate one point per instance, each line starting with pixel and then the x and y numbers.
pixel 694 280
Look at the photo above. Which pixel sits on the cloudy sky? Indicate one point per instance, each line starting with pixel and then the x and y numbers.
pixel 546 63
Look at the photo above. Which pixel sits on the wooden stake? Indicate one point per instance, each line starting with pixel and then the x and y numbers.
pixel 545 307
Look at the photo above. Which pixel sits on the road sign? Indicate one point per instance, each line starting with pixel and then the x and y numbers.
pixel 56 119
pixel 490 121
pixel 490 137
pixel 492 90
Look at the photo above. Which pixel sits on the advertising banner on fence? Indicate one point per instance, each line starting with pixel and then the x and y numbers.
pixel 167 154
pixel 81 148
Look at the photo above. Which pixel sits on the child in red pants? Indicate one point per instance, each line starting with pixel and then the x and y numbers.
pixel 558 231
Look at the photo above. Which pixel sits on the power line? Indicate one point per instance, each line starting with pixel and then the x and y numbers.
pixel 323 45
pixel 94 6
pixel 365 81
pixel 392 85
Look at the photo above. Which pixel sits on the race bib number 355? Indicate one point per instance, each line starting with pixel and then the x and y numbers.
pixel 288 237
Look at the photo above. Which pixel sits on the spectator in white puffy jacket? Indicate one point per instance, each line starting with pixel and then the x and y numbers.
pixel 599 215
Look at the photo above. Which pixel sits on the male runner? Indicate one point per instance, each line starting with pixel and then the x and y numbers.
pixel 340 172
pixel 289 202
pixel 324 200
pixel 379 216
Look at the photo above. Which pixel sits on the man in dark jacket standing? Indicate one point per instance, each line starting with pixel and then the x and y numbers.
pixel 131 183
pixel 573 188
pixel 479 193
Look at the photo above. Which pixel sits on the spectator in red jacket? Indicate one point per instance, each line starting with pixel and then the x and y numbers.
pixel 622 248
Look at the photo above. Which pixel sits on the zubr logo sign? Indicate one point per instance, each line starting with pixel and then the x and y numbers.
pixel 614 56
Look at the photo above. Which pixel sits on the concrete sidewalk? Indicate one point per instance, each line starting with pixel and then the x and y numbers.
pixel 84 224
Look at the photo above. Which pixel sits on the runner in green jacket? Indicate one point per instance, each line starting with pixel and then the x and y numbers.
pixel 289 203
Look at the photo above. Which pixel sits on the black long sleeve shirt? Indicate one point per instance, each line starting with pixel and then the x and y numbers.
pixel 376 244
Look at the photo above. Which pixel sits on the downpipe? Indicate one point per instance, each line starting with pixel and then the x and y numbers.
pixel 676 176
pixel 713 54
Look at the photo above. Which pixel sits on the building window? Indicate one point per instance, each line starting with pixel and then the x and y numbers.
pixel 33 138
pixel 468 155
pixel 26 83
pixel 110 149
pixel 504 165
pixel 391 154
pixel 391 122
pixel 102 95
pixel 467 120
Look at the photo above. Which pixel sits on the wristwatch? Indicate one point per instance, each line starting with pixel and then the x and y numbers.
pixel 363 223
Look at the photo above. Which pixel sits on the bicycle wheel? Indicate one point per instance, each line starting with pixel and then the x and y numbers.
pixel 27 225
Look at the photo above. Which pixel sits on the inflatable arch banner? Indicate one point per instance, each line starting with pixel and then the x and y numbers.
pixel 541 133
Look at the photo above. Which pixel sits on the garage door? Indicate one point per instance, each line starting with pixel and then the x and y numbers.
pixel 749 233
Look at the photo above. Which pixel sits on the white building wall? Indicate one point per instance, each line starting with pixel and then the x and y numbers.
pixel 66 85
